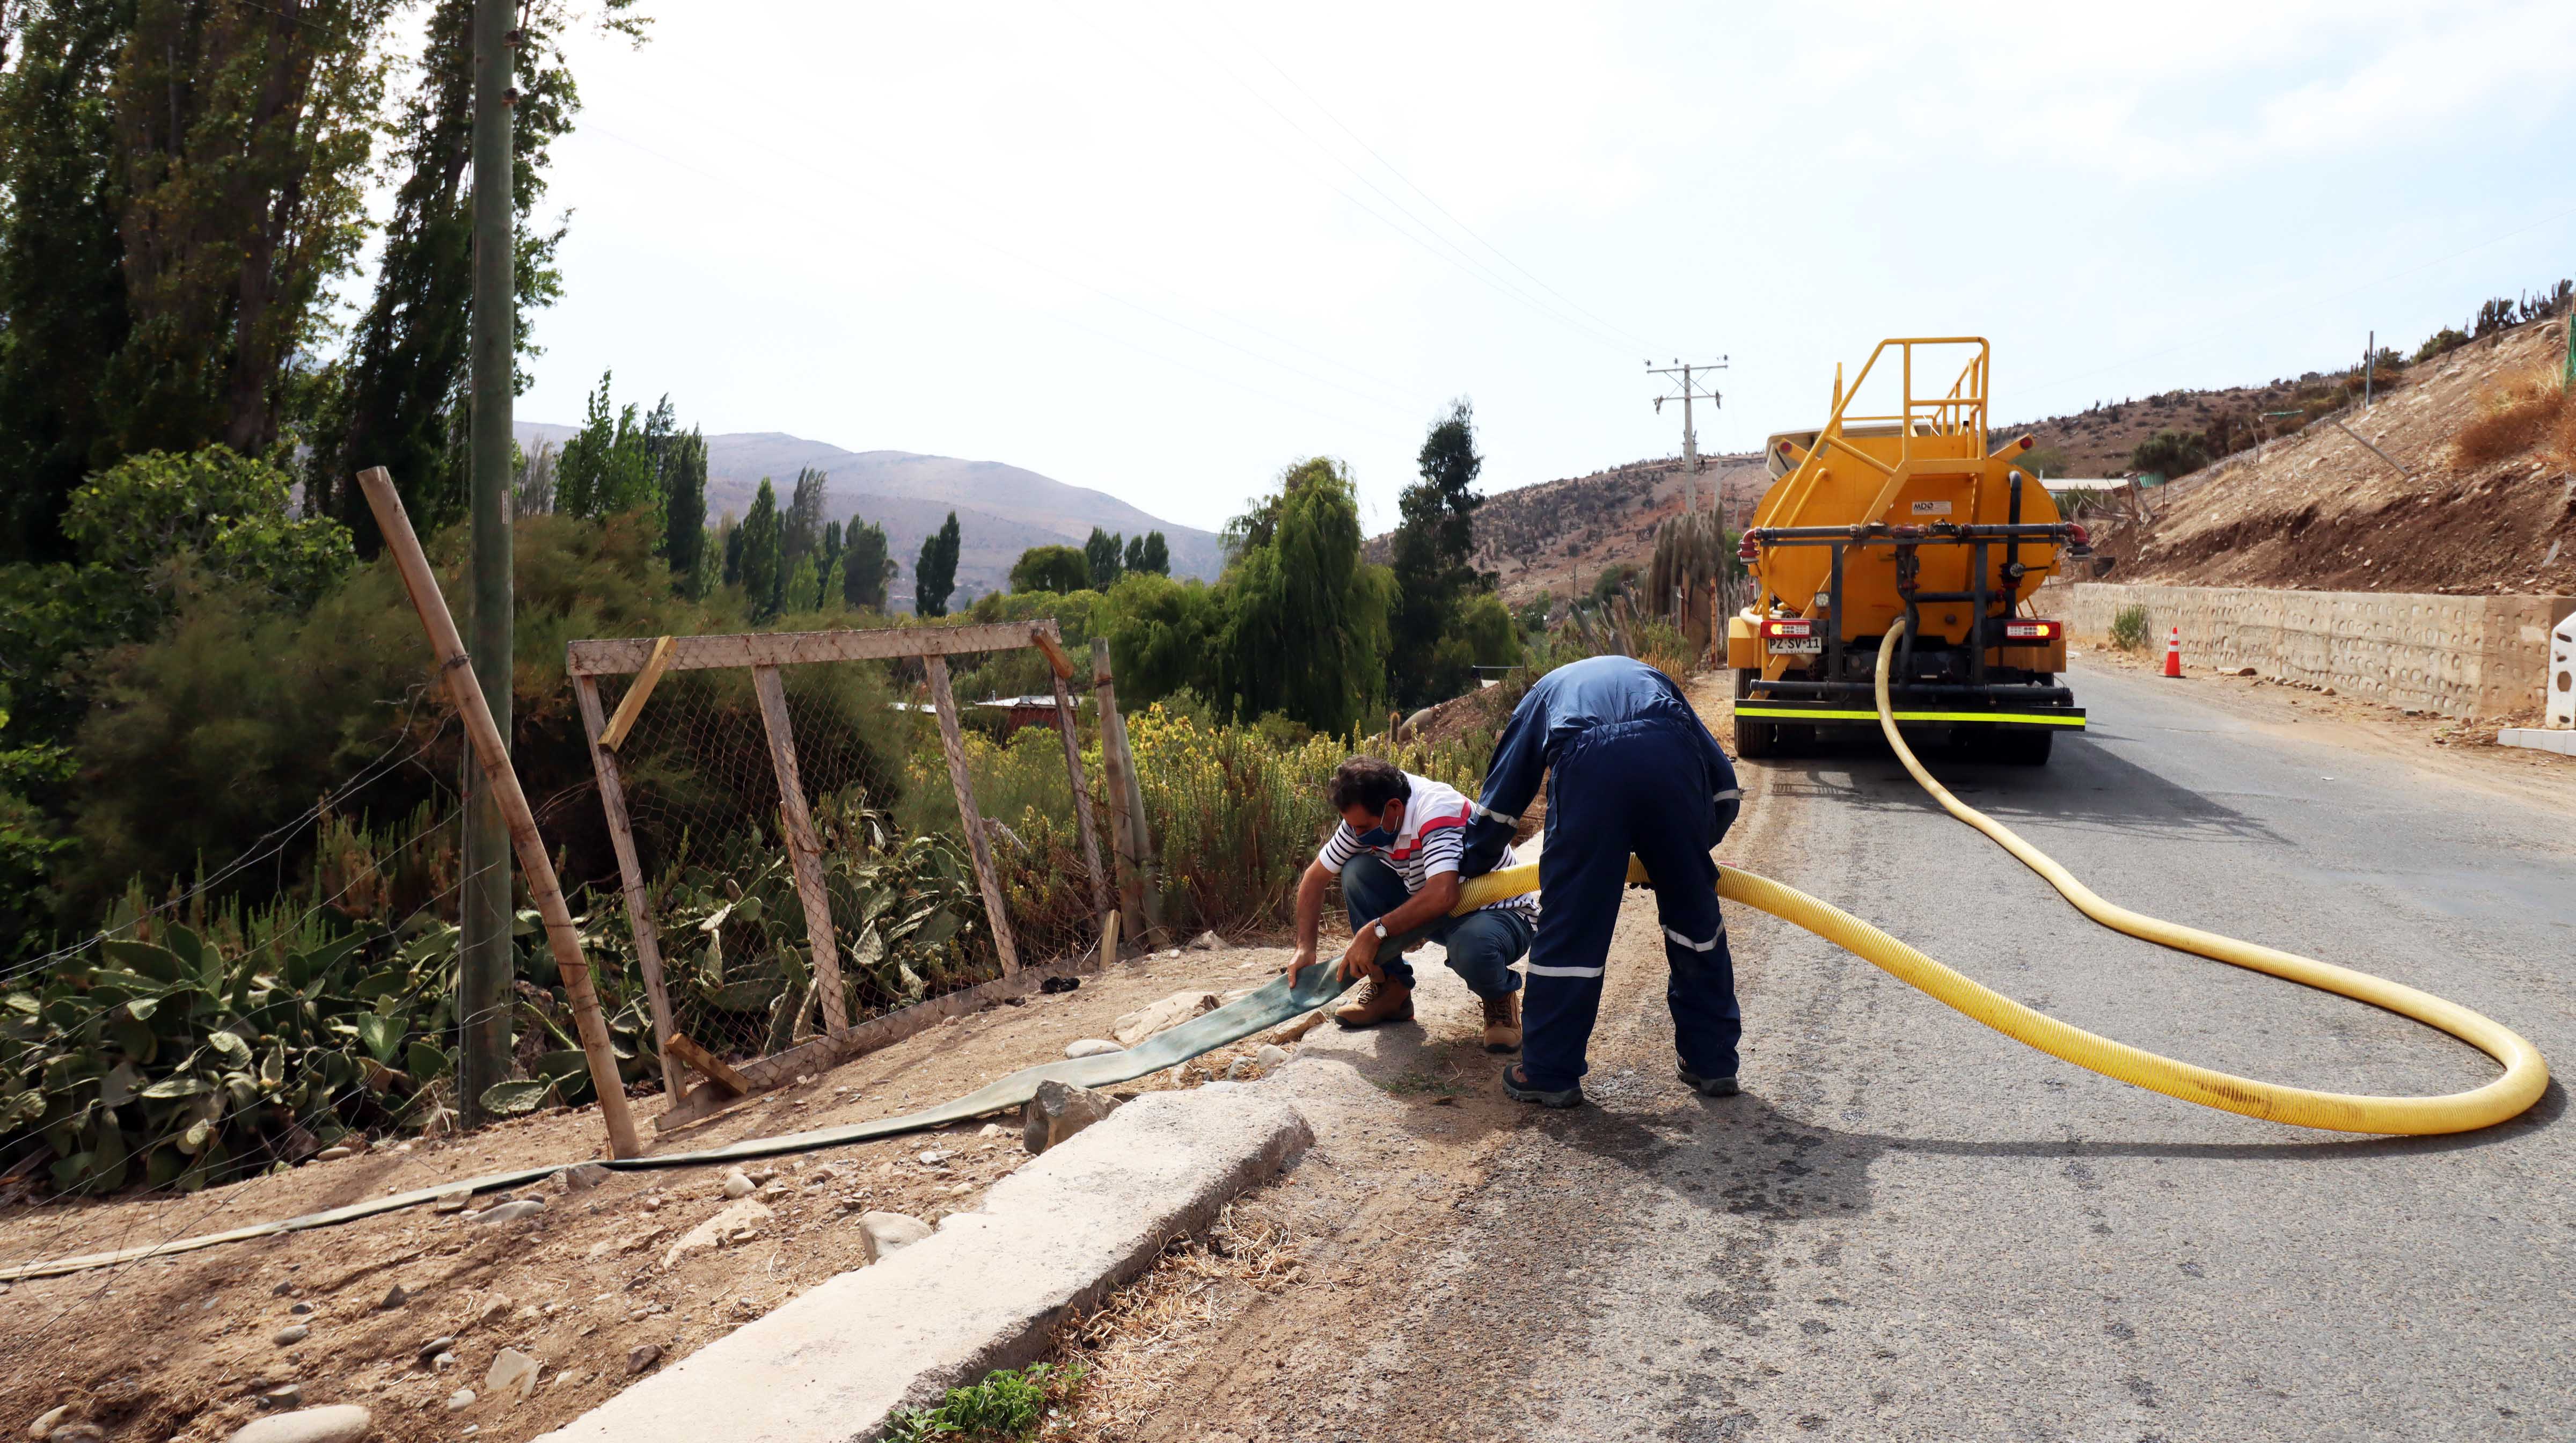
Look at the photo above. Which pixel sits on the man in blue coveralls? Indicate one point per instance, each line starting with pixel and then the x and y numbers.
pixel 1630 769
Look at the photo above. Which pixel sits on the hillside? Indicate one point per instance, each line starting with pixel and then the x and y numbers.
pixel 2098 440
pixel 1002 510
pixel 1558 535
pixel 2318 510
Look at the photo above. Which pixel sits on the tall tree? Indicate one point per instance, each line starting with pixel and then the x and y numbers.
pixel 1305 630
pixel 684 505
pixel 1149 552
pixel 761 578
pixel 934 576
pixel 400 402
pixel 729 546
pixel 244 133
pixel 1103 555
pixel 607 468
pixel 1050 568
pixel 801 530
pixel 866 566
pixel 1430 560
pixel 62 283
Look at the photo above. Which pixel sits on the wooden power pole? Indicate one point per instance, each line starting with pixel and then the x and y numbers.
pixel 483 960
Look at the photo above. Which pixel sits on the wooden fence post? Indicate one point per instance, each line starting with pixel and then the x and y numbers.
pixel 1114 763
pixel 630 872
pixel 804 849
pixel 1140 898
pixel 1060 667
pixel 978 846
pixel 561 938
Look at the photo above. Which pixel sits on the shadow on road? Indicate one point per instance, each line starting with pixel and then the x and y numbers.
pixel 1743 1155
pixel 2083 786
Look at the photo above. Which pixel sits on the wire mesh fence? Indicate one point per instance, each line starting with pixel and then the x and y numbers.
pixel 715 844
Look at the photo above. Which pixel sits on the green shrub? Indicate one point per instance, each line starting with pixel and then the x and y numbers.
pixel 2129 628
pixel 2171 453
pixel 1004 1408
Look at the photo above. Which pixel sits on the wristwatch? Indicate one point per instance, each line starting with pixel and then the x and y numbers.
pixel 1380 930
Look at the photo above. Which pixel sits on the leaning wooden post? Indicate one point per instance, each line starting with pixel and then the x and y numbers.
pixel 1118 770
pixel 804 849
pixel 630 871
pixel 1061 668
pixel 524 838
pixel 953 742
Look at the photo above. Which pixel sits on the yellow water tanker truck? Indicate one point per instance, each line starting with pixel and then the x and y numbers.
pixel 1917 517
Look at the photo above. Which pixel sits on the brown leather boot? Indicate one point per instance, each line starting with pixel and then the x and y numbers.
pixel 1379 1001
pixel 1503 1023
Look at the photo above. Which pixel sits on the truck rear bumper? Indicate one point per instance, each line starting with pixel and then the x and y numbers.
pixel 2062 718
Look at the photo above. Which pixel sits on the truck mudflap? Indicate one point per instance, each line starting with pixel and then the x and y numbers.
pixel 2062 718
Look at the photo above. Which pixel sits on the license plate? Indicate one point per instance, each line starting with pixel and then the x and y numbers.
pixel 1798 646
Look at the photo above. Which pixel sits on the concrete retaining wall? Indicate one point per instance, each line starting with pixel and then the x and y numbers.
pixel 2463 656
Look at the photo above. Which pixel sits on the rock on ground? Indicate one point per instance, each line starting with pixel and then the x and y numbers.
pixel 1090 1047
pixel 1171 1012
pixel 511 1372
pixel 1059 1111
pixel 338 1423
pixel 889 1231
pixel 737 1222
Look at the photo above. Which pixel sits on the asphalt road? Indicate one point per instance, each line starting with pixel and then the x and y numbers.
pixel 1911 1228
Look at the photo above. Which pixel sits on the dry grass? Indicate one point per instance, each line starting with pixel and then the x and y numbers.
pixel 1140 1342
pixel 2516 416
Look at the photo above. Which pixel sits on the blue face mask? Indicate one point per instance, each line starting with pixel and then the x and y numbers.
pixel 1377 837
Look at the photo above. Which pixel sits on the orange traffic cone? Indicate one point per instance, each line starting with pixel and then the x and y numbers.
pixel 2173 653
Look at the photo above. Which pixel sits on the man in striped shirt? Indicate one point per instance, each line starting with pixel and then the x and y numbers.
pixel 1397 851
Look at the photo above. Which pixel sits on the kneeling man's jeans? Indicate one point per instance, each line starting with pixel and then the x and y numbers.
pixel 1482 945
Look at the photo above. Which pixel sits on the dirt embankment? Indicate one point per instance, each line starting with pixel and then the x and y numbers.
pixel 2319 510
pixel 192 1346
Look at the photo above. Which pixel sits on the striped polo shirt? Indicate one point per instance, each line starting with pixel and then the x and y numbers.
pixel 1434 836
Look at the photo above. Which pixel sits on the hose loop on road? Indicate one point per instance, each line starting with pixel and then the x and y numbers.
pixel 2525 1076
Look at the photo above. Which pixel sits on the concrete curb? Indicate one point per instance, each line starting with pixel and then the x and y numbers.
pixel 986 1291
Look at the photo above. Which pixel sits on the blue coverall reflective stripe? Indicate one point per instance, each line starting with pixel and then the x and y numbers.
pixel 1630 769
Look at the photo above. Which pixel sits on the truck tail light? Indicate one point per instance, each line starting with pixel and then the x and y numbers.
pixel 2034 630
pixel 1792 626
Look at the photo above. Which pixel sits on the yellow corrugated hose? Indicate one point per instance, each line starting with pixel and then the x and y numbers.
pixel 2526 1075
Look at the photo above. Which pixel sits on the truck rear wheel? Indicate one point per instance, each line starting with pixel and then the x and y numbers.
pixel 2017 746
pixel 1753 739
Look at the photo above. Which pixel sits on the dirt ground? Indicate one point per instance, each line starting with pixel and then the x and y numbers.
pixel 1353 1231
pixel 184 1348
pixel 2318 510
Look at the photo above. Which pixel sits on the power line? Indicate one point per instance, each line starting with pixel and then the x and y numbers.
pixel 1067 321
pixel 2221 327
pixel 1410 184
pixel 1454 255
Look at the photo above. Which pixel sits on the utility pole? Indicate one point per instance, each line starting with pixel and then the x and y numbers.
pixel 1690 435
pixel 483 961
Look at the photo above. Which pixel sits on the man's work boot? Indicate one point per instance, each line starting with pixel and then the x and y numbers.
pixel 1503 1023
pixel 1516 1086
pixel 1380 1001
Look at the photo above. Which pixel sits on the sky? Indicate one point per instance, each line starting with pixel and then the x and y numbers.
pixel 1167 250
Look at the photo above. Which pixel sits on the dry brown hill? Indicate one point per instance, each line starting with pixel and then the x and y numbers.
pixel 2485 503
pixel 1558 535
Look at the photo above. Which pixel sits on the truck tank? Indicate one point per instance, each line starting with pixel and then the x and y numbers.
pixel 1921 516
